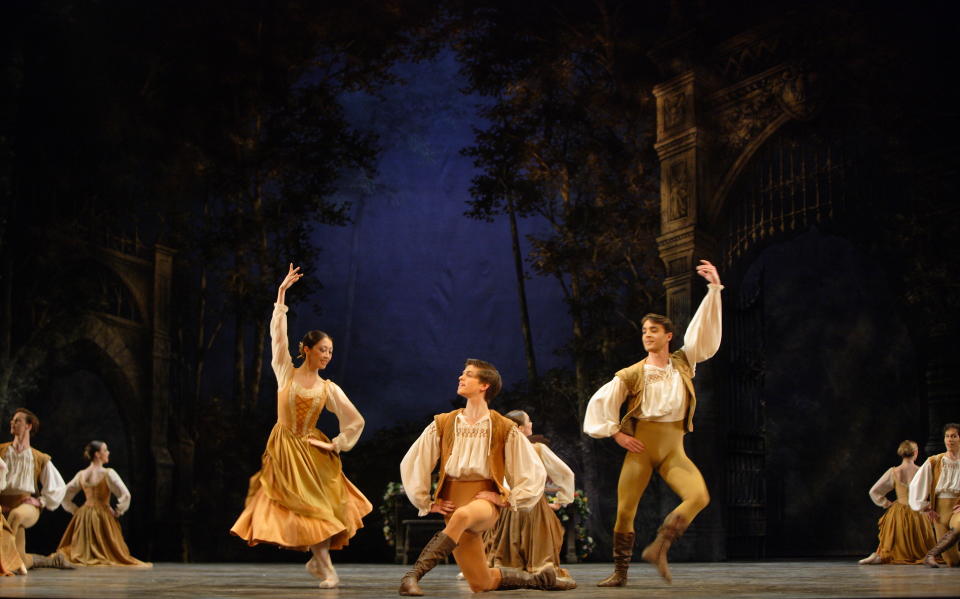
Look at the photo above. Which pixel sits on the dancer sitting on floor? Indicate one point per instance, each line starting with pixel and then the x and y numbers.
pixel 93 537
pixel 477 449
pixel 905 535
pixel 935 491
pixel 531 539
pixel 300 498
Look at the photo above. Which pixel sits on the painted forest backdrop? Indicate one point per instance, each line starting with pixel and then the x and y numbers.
pixel 472 179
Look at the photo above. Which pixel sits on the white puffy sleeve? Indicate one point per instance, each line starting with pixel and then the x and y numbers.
pixel 351 422
pixel 417 466
pixel 3 474
pixel 119 489
pixel 525 473
pixel 280 345
pixel 559 473
pixel 702 338
pixel 52 487
pixel 919 488
pixel 73 487
pixel 602 418
pixel 879 490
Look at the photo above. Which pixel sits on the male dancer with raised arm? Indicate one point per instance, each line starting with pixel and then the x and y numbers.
pixel 660 398
pixel 477 449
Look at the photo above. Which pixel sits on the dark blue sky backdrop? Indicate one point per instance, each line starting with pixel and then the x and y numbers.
pixel 413 287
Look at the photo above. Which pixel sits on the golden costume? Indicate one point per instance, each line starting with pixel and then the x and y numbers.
pixel 300 496
pixel 905 535
pixel 93 537
pixel 532 539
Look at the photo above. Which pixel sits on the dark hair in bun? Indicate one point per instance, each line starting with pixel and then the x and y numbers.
pixel 91 449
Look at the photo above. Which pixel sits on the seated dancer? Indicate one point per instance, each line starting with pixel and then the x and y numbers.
pixel 905 535
pixel 300 498
pixel 10 562
pixel 935 491
pixel 33 482
pixel 661 401
pixel 93 536
pixel 531 540
pixel 477 449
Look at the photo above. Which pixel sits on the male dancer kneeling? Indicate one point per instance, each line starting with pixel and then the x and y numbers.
pixel 478 449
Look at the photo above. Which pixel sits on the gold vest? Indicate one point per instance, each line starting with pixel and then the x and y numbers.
pixel 496 460
pixel 632 377
pixel 935 466
pixel 40 460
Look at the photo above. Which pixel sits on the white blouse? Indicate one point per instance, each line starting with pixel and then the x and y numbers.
pixel 351 422
pixel 558 472
pixel 21 478
pixel 948 487
pixel 114 483
pixel 664 394
pixel 878 492
pixel 524 470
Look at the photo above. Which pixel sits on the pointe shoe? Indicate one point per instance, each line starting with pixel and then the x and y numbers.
pixel 315 568
pixel 871 559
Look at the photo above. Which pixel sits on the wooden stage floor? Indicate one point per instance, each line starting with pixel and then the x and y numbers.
pixel 774 579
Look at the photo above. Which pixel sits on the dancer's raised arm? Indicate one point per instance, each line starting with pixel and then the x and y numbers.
pixel 281 361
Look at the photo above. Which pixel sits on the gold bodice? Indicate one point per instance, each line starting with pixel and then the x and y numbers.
pixel 903 491
pixel 98 494
pixel 304 406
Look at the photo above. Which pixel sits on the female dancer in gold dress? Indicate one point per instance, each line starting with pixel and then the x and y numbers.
pixel 10 561
pixel 93 537
pixel 905 535
pixel 300 498
pixel 531 540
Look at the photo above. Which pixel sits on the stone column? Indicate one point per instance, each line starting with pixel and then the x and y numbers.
pixel 160 408
pixel 682 149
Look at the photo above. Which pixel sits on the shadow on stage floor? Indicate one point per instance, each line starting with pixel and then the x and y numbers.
pixel 775 579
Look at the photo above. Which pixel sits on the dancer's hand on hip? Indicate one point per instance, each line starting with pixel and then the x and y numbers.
pixel 492 497
pixel 932 515
pixel 444 507
pixel 322 444
pixel 631 444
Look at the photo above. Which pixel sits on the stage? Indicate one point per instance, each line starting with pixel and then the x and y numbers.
pixel 774 579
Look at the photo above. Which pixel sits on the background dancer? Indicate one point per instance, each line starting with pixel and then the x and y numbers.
pixel 477 449
pixel 33 482
pixel 660 405
pixel 905 535
pixel 935 491
pixel 300 498
pixel 93 537
pixel 532 539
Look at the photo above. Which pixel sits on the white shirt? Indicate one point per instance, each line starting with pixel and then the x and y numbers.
pixel 114 483
pixel 664 394
pixel 558 472
pixel 524 470
pixel 948 487
pixel 20 479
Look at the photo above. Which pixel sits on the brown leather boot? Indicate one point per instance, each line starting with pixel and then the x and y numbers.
pixel 656 552
pixel 515 578
pixel 54 560
pixel 437 548
pixel 622 552
pixel 945 542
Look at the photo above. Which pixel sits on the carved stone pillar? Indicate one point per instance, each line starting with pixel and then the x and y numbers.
pixel 160 408
pixel 683 151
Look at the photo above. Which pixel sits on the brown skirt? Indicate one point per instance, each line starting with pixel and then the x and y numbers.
pixel 10 560
pixel 300 496
pixel 94 538
pixel 529 540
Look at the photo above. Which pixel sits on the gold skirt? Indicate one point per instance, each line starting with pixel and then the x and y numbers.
pixel 94 538
pixel 905 535
pixel 300 496
pixel 9 556
pixel 527 540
